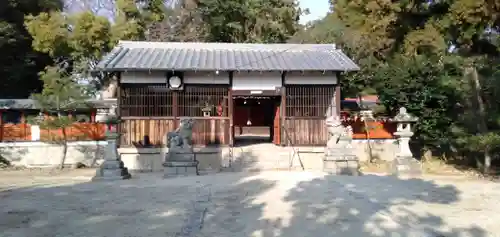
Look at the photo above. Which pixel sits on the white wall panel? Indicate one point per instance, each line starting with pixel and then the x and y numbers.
pixel 189 77
pixel 256 80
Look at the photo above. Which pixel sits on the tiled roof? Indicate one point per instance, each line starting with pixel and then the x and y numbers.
pixel 135 55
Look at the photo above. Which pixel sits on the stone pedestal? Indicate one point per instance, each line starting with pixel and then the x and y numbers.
pixel 180 163
pixel 180 159
pixel 112 168
pixel 406 166
pixel 404 163
pixel 341 161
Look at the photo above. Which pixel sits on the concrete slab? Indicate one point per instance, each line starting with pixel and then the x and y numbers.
pixel 269 204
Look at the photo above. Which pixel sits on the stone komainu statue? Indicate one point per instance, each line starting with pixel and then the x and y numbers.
pixel 339 135
pixel 110 91
pixel 181 137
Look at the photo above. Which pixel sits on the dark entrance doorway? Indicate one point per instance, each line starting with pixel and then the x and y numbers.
pixel 256 120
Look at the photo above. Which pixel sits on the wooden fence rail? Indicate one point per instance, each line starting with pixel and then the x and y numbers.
pixel 76 132
pixel 206 131
pixel 303 131
pixel 312 131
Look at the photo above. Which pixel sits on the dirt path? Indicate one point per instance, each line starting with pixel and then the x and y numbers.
pixel 269 204
pixel 14 179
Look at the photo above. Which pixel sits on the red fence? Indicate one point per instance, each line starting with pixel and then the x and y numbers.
pixel 95 131
pixel 372 129
pixel 76 132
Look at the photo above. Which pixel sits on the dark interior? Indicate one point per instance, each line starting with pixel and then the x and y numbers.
pixel 254 119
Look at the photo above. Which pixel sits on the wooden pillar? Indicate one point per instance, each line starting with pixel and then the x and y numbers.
pixel 175 108
pixel 230 109
pixel 283 136
pixel 22 119
pixel 1 125
pixel 92 115
pixel 118 107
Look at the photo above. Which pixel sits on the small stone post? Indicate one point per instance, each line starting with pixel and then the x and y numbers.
pixel 112 168
pixel 404 163
pixel 35 128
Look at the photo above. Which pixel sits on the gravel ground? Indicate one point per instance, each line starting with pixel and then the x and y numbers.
pixel 269 204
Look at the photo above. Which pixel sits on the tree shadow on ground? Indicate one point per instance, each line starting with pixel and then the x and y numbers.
pixel 372 206
pixel 268 204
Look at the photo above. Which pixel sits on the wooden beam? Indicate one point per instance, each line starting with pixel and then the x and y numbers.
pixel 118 106
pixel 230 109
pixel 1 125
pixel 283 110
pixel 175 108
pixel 252 93
pixel 92 115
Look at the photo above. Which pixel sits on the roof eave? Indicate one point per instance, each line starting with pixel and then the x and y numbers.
pixel 214 69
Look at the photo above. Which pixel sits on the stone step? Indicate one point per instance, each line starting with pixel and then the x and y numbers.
pixel 175 171
pixel 114 172
pixel 115 164
pixel 268 161
pixel 342 167
pixel 111 174
pixel 406 166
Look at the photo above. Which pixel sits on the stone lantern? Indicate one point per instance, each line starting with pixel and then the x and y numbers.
pixel 404 163
pixel 112 168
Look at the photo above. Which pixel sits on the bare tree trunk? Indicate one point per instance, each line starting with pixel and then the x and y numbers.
pixel 479 108
pixel 65 149
pixel 367 132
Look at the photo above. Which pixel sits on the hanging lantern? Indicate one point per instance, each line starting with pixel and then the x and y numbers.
pixel 249 123
pixel 219 110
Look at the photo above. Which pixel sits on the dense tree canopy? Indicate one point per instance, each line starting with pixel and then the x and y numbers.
pixel 266 21
pixel 437 58
pixel 81 38
pixel 20 62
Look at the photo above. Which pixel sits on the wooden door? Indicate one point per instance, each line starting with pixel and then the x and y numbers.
pixel 276 125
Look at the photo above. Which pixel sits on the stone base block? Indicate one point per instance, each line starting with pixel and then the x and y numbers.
pixel 180 155
pixel 404 165
pixel 111 178
pixel 113 164
pixel 180 168
pixel 112 170
pixel 346 165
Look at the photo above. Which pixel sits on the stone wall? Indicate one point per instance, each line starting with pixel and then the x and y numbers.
pixel 40 154
pixel 256 157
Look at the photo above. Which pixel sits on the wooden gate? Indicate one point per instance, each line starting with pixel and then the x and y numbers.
pixel 277 126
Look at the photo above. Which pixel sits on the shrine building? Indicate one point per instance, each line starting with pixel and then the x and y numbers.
pixel 236 93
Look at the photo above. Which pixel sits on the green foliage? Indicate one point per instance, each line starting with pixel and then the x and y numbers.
pixel 60 95
pixel 83 38
pixel 426 87
pixel 60 91
pixel 79 38
pixel 243 21
pixel 20 62
pixel 403 49
pixel 59 122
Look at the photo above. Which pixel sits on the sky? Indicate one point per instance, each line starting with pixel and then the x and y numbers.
pixel 317 8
